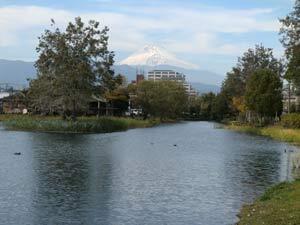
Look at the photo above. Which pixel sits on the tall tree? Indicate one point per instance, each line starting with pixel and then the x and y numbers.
pixel 75 63
pixel 264 93
pixel 234 85
pixel 290 39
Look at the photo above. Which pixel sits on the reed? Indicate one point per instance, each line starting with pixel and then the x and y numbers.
pixel 276 132
pixel 81 125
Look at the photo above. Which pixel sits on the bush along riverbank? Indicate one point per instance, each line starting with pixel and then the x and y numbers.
pixel 288 130
pixel 277 132
pixel 280 205
pixel 81 125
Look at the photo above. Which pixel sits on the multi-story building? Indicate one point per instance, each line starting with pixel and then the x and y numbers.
pixel 158 75
pixel 190 90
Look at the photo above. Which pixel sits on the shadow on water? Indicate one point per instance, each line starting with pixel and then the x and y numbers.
pixel 69 179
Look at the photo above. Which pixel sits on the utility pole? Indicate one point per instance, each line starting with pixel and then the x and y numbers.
pixel 289 97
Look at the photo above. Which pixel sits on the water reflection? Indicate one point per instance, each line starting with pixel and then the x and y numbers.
pixel 136 177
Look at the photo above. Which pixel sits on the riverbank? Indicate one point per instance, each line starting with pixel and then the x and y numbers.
pixel 276 132
pixel 279 205
pixel 82 125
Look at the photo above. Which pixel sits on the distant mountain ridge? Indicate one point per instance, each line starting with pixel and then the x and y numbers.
pixel 203 81
pixel 17 72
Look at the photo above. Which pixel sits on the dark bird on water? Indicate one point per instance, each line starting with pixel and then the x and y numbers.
pixel 17 153
pixel 175 145
pixel 285 151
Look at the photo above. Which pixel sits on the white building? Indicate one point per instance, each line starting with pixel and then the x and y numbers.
pixel 158 75
pixel 3 94
pixel 190 90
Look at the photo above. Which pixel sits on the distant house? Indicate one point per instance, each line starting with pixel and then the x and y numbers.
pixel 97 106
pixel 13 103
pixel 2 96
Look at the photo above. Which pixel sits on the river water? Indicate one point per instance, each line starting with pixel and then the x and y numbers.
pixel 185 173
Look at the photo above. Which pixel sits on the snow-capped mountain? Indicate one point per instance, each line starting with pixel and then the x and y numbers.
pixel 152 55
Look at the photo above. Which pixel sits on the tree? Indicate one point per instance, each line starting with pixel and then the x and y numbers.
pixel 194 107
pixel 289 31
pixel 73 64
pixel 207 101
pixel 119 96
pixel 163 99
pixel 290 36
pixel 220 109
pixel 264 93
pixel 234 86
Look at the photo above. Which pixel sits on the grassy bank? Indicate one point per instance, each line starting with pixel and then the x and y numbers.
pixel 276 132
pixel 82 125
pixel 280 205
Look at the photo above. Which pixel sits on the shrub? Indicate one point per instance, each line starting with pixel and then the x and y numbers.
pixel 82 125
pixel 291 120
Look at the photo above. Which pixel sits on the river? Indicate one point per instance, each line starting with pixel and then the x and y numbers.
pixel 185 173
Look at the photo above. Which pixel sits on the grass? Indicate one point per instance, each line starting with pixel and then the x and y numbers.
pixel 82 125
pixel 276 132
pixel 280 205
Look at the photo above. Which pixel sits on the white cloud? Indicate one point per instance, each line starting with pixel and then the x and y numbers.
pixel 206 43
pixel 181 30
pixel 15 20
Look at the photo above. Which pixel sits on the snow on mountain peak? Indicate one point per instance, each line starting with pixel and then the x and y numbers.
pixel 152 55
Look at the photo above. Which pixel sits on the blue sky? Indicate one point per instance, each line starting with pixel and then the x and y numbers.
pixel 208 33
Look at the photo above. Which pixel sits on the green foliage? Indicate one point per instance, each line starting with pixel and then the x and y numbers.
pixel 220 107
pixel 233 88
pixel 207 101
pixel 119 98
pixel 274 191
pixel 264 93
pixel 279 205
pixel 290 26
pixel 291 120
pixel 72 65
pixel 163 99
pixel 276 132
pixel 194 108
pixel 208 107
pixel 82 125
pixel 233 85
